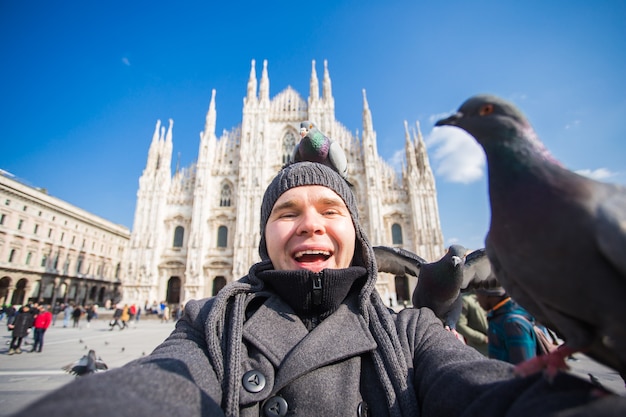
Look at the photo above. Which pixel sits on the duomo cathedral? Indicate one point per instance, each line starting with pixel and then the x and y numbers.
pixel 197 229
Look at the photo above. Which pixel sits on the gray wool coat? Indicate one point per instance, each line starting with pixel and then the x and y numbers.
pixel 325 372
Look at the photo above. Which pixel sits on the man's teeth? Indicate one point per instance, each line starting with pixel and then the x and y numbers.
pixel 311 252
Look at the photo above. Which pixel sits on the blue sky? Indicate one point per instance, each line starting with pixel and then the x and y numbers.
pixel 83 83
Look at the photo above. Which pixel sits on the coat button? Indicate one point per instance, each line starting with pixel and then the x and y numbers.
pixel 275 407
pixel 362 410
pixel 253 381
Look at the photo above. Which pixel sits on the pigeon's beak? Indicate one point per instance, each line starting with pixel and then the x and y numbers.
pixel 451 120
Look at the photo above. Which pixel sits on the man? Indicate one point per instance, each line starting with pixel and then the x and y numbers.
pixel 20 328
pixel 473 324
pixel 511 334
pixel 306 334
pixel 41 324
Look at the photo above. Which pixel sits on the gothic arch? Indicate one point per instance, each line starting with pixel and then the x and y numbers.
pixel 290 139
pixel 226 192
pixel 396 234
pixel 402 289
pixel 19 293
pixel 179 234
pixel 173 290
pixel 5 283
pixel 222 236
pixel 101 294
pixel 218 283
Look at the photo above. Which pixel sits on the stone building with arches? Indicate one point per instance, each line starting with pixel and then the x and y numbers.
pixel 197 229
pixel 53 251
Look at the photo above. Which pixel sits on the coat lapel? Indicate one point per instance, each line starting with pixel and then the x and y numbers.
pixel 277 332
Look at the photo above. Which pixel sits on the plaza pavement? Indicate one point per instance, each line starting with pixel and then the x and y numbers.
pixel 27 376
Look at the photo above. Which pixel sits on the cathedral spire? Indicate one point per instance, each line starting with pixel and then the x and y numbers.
pixel 420 150
pixel 408 147
pixel 264 88
pixel 327 92
pixel 368 126
pixel 251 96
pixel 168 146
pixel 209 125
pixel 154 151
pixel 314 88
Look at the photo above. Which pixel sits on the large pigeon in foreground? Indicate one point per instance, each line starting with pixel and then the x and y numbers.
pixel 557 240
pixel 439 283
pixel 317 147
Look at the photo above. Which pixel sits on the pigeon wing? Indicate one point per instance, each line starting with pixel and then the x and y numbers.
pixel 77 367
pixel 397 261
pixel 295 156
pixel 100 365
pixel 477 272
pixel 338 159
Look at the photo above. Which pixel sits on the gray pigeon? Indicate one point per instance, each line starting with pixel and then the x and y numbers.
pixel 87 364
pixel 439 283
pixel 557 240
pixel 317 147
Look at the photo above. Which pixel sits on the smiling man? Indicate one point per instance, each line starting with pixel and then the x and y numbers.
pixel 310 228
pixel 306 334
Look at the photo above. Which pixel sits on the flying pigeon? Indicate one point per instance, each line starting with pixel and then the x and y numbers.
pixel 317 147
pixel 88 364
pixel 439 283
pixel 556 241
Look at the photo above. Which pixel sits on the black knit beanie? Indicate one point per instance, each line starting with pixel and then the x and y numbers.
pixel 311 173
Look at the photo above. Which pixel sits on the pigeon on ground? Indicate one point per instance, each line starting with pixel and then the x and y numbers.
pixel 556 241
pixel 439 283
pixel 88 364
pixel 317 147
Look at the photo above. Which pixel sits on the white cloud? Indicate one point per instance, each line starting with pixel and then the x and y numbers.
pixel 126 61
pixel 397 160
pixel 455 155
pixel 597 174
pixel 572 125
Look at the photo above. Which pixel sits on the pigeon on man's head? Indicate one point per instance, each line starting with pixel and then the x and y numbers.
pixel 87 364
pixel 557 240
pixel 317 147
pixel 439 283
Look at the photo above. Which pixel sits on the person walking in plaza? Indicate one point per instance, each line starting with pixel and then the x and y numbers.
pixel 56 309
pixel 67 314
pixel 20 327
pixel 76 314
pixel 125 316
pixel 41 324
pixel 305 333
pixel 117 315
pixel 10 311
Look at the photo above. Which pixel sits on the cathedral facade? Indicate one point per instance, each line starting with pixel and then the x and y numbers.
pixel 197 229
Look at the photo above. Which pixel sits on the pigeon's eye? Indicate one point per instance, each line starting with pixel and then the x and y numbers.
pixel 486 110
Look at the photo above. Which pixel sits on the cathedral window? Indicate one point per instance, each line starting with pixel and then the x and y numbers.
pixel 179 232
pixel 222 236
pixel 289 144
pixel 396 234
pixel 225 196
pixel 79 264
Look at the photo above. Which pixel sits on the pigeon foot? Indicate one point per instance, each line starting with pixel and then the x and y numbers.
pixel 550 363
